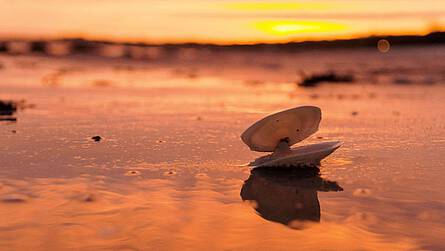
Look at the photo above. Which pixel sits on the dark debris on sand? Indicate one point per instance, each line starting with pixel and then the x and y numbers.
pixel 7 107
pixel 13 198
pixel 327 77
pixel 10 119
pixel 96 138
pixel 7 110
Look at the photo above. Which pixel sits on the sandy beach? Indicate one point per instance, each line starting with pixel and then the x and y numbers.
pixel 168 171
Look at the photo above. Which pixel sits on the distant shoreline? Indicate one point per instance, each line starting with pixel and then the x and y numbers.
pixel 83 46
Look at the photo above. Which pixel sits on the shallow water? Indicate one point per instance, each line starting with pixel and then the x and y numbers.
pixel 168 171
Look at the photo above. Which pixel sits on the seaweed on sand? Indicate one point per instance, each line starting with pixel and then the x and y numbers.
pixel 327 77
pixel 7 107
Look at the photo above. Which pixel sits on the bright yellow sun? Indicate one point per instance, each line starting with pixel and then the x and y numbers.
pixel 289 27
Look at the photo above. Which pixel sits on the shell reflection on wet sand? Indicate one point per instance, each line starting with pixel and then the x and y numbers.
pixel 286 195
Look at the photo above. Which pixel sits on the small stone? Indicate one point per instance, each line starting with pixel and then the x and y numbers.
pixel 362 192
pixel 169 173
pixel 96 138
pixel 354 113
pixel 89 198
pixel 132 173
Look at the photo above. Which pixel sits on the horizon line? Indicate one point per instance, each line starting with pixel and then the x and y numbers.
pixel 140 41
pixel 324 41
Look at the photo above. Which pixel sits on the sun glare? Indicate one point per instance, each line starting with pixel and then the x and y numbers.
pixel 296 27
pixel 277 6
pixel 274 6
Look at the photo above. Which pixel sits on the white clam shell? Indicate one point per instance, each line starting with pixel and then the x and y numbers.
pixel 308 155
pixel 293 125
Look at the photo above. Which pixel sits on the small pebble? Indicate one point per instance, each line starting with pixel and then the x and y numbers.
pixel 133 173
pixel 96 138
pixel 362 192
pixel 169 173
pixel 83 197
pixel 88 198
pixel 354 113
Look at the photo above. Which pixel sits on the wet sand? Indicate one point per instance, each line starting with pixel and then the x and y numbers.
pixel 167 171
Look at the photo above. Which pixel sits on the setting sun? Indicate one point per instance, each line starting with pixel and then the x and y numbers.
pixel 296 27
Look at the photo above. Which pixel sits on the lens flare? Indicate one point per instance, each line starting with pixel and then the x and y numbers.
pixel 383 45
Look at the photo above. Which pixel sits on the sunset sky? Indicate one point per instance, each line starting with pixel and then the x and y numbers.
pixel 217 21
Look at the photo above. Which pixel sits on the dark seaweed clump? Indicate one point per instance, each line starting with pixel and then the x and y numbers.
pixel 7 108
pixel 328 77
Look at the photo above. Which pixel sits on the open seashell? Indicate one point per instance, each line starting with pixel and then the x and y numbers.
pixel 278 132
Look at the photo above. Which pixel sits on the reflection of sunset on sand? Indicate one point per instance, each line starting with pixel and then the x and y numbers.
pixel 164 213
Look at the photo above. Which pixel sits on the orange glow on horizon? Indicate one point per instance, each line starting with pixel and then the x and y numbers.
pixel 223 22
pixel 283 38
